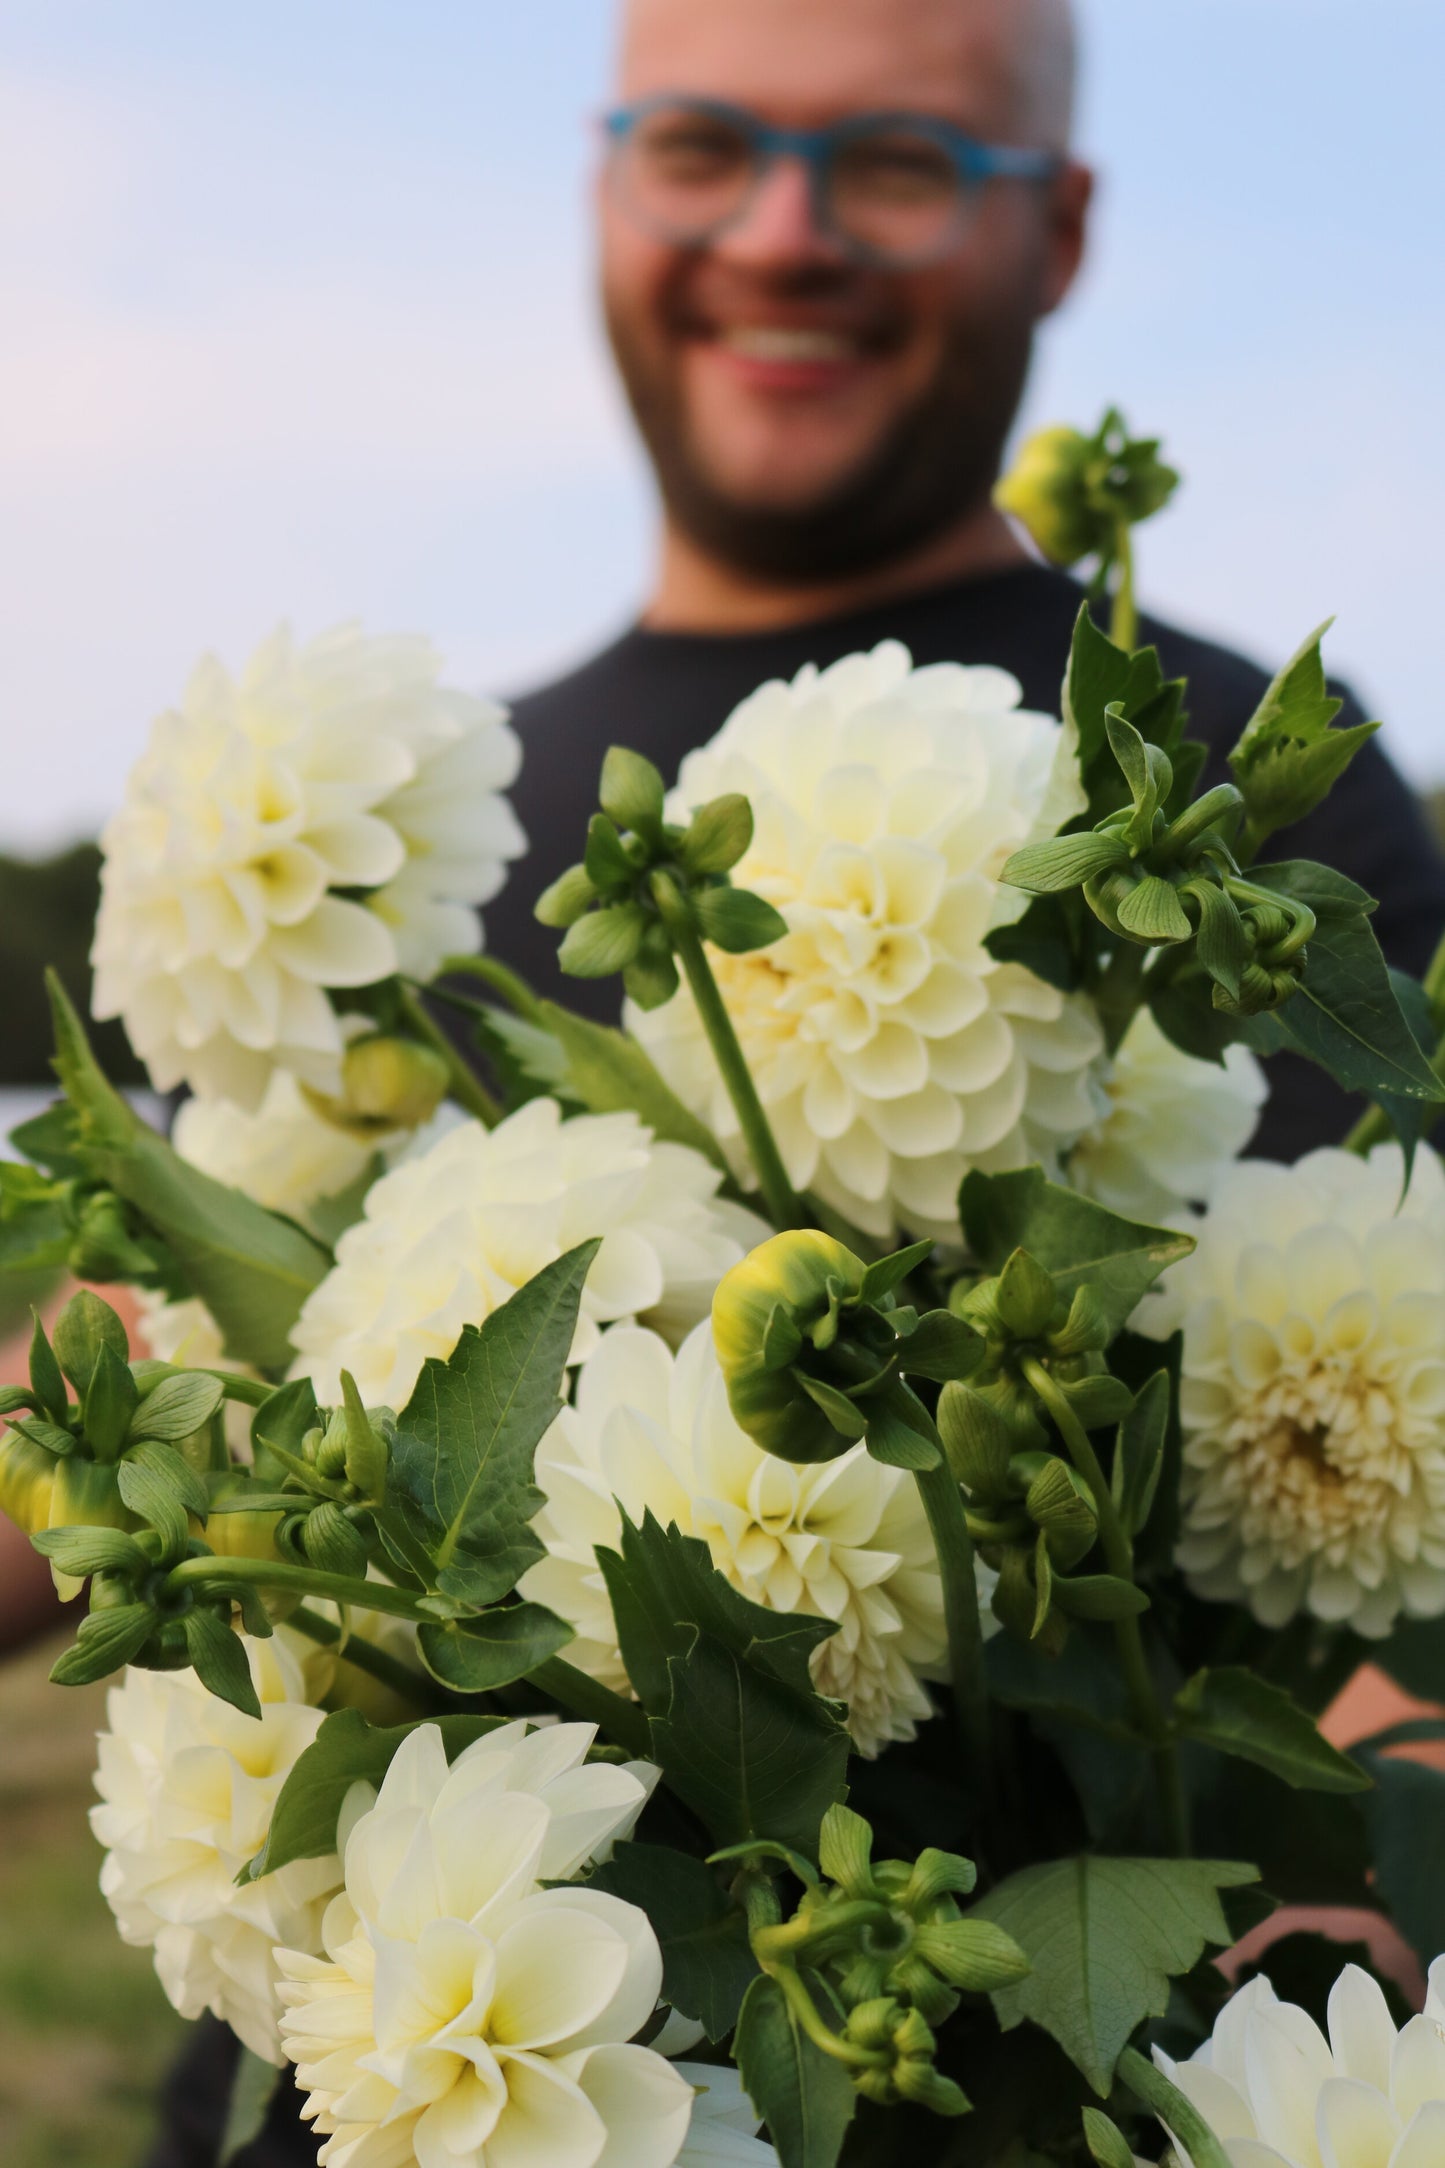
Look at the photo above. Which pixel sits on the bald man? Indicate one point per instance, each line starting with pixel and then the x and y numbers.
pixel 828 232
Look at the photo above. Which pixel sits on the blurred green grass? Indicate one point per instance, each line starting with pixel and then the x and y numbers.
pixel 85 2031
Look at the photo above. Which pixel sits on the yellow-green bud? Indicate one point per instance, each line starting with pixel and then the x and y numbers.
pixel 1046 489
pixel 762 1312
pixel 241 1535
pixel 386 1083
pixel 27 1477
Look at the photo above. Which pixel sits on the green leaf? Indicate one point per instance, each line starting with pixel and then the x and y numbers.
pixel 1101 676
pixel 1104 1937
pixel 717 835
pixel 707 1964
pixel 1046 940
pixel 251 1268
pixel 1139 1453
pixel 977 1442
pixel 1064 862
pixel 84 1551
pixel 606 860
pixel 1412 1119
pixel 161 1489
pixel 1099 1596
pixel 1081 1243
pixel 219 1660
pixel 476 1655
pixel 1237 1712
pixel 1152 911
pixel 1289 758
pixel 45 1377
pixel 1221 945
pixel 895 1443
pixel 106 1642
pixel 744 1738
pixel 1405 1816
pixel 110 1403
pixel 283 1420
pixel 607 1072
pixel 941 1346
pixel 805 2097
pixel 1345 1014
pixel 737 921
pixel 252 2090
pixel 631 791
pixel 461 1461
pixel 346 1751
pixel 178 1407
pixel 603 942
pixel 1108 2146
pixel 83 1328
pixel 887 1273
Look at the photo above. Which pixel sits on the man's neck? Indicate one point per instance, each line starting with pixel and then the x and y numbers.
pixel 696 592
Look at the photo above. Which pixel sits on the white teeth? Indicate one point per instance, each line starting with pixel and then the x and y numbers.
pixel 777 342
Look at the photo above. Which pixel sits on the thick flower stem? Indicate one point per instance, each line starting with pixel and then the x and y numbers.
pixel 624 1721
pixel 1124 623
pixel 387 1670
pixel 467 1090
pixel 1119 991
pixel 220 1574
pixel 1178 2114
pixel 784 1209
pixel 948 1524
pixel 1128 1639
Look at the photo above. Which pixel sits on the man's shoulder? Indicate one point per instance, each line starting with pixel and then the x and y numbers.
pixel 576 691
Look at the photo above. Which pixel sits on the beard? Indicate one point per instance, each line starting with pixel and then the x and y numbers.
pixel 936 461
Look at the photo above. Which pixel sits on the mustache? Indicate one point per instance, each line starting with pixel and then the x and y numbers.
pixel 814 296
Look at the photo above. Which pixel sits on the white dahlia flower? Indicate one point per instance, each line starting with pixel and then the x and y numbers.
pixel 453 1231
pixel 284 1155
pixel 324 821
pixel 462 2013
pixel 845 1540
pixel 1313 1398
pixel 723 2130
pixel 1278 2094
pixel 187 1787
pixel 890 1050
pixel 1167 1126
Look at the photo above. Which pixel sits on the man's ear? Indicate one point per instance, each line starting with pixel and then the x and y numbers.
pixel 1068 220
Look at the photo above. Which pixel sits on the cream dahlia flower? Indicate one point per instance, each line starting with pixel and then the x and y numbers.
pixel 462 2013
pixel 324 821
pixel 187 1787
pixel 890 1050
pixel 1167 1124
pixel 1279 2094
pixel 723 2130
pixel 1313 1398
pixel 845 1540
pixel 452 1232
pixel 283 1154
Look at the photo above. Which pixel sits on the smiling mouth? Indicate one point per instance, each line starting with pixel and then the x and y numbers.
pixel 789 343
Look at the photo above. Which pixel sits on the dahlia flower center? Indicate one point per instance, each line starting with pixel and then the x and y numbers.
pixel 1321 1458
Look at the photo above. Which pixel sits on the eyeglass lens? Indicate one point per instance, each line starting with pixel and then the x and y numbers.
pixel 890 192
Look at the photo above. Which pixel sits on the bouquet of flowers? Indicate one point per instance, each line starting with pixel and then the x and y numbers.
pixel 759 1586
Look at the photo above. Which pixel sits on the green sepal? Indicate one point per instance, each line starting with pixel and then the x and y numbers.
pixel 976 1441
pixel 1044 869
pixel 717 836
pixel 1100 1596
pixel 218 1658
pixel 1289 757
pixel 603 942
pixel 111 1399
pixel 631 791
pixel 106 1642
pixel 737 921
pixel 177 1407
pixel 564 902
pixel 606 861
pixel 45 1375
pixel 83 1328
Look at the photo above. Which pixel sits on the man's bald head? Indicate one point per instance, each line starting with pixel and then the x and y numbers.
pixel 1015 61
pixel 814 413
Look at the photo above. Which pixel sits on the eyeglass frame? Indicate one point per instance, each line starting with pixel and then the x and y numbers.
pixel 974 163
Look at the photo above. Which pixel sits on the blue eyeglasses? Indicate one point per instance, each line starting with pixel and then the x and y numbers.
pixel 893 189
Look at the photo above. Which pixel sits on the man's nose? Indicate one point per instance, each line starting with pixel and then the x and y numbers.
pixel 780 224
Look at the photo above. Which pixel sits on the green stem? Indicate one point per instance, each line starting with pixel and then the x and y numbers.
pixel 255 1392
pixel 777 1191
pixel 1117 991
pixel 222 1573
pixel 1178 2114
pixel 413 1686
pixel 1124 624
pixel 625 1721
pixel 1128 1637
pixel 467 1090
pixel 805 2010
pixel 512 987
pixel 948 1525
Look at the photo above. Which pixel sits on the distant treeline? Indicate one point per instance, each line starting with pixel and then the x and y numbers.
pixel 47 915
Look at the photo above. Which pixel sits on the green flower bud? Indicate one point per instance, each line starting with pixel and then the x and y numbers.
pixel 27 1477
pixel 803 1274
pixel 569 896
pixel 631 791
pixel 248 1534
pixel 1046 489
pixel 386 1083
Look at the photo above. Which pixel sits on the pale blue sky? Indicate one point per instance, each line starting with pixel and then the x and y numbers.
pixel 295 320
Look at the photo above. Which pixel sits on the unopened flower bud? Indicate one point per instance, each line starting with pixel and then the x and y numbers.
pixel 1046 489
pixel 386 1083
pixel 803 1275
